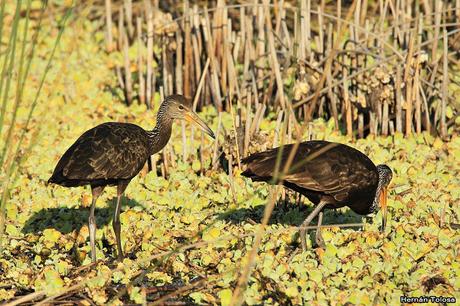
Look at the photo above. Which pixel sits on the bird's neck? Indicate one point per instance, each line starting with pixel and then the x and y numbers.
pixel 375 204
pixel 385 175
pixel 160 134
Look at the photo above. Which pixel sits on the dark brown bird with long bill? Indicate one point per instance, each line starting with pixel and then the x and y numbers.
pixel 112 153
pixel 331 175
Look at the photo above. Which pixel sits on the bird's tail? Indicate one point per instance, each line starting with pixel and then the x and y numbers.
pixel 56 178
pixel 247 173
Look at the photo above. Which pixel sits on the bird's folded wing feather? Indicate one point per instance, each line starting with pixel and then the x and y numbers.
pixel 103 153
pixel 330 171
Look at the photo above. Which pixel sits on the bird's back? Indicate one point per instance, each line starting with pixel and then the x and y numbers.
pixel 103 155
pixel 320 168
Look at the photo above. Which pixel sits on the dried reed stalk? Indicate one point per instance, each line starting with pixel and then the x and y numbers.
pixel 140 61
pixel 250 50
pixel 445 81
pixel 108 24
pixel 149 79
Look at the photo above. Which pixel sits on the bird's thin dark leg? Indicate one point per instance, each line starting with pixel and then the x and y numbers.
pixel 303 231
pixel 116 218
pixel 319 238
pixel 96 191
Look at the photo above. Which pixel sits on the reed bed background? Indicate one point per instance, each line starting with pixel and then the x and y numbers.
pixel 384 70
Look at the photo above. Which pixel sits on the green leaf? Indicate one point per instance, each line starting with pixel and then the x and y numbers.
pixel 51 282
pixel 225 296
pixel 136 295
pixel 315 275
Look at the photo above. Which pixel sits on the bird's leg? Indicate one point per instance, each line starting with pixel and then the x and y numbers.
pixel 96 192
pixel 303 230
pixel 319 238
pixel 116 218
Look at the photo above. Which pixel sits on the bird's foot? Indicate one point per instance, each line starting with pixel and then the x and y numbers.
pixel 319 240
pixel 303 242
pixel 303 239
pixel 93 255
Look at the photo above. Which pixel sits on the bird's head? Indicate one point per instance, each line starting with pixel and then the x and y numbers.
pixel 179 107
pixel 385 176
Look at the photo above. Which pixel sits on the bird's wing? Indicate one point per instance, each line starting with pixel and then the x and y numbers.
pixel 261 166
pixel 321 166
pixel 107 151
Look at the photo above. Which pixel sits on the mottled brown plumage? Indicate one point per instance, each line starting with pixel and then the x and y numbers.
pixel 104 155
pixel 331 175
pixel 113 153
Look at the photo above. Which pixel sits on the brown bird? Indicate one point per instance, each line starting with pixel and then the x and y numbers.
pixel 113 153
pixel 331 175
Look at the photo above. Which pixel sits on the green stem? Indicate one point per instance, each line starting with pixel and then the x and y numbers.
pixel 19 86
pixel 2 12
pixel 7 68
pixel 13 165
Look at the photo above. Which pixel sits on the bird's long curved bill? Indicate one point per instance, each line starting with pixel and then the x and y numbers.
pixel 193 118
pixel 383 207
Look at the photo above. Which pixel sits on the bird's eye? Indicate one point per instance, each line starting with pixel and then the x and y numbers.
pixel 181 107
